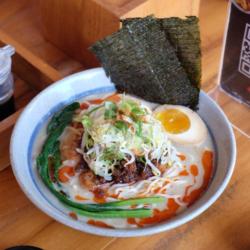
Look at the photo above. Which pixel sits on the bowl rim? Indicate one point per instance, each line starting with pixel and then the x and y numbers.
pixel 157 228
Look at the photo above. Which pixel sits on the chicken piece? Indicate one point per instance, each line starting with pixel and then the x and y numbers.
pixel 70 140
pixel 89 180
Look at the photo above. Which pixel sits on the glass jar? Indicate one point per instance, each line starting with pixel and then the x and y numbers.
pixel 7 105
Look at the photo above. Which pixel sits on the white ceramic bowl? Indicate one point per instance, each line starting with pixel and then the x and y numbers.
pixel 89 82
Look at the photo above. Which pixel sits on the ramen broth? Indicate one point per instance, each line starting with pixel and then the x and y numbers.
pixel 180 186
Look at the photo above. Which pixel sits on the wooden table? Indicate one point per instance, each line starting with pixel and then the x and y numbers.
pixel 225 225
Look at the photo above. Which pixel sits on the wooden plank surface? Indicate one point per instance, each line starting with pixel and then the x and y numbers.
pixel 165 8
pixel 32 68
pixel 19 19
pixel 74 25
pixel 223 226
pixel 5 134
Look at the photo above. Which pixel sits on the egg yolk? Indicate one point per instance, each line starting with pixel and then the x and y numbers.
pixel 174 121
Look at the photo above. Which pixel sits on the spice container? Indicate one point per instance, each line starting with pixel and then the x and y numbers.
pixel 7 105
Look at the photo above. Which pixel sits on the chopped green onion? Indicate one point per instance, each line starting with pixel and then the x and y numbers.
pixel 110 154
pixel 127 105
pixel 122 126
pixel 86 121
pixel 138 127
pixel 137 111
pixel 110 110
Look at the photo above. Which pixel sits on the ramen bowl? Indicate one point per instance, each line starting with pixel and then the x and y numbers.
pixel 91 82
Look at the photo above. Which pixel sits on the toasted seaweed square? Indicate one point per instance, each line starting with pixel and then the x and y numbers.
pixel 184 35
pixel 140 60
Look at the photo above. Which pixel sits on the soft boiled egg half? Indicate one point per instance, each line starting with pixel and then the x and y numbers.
pixel 183 125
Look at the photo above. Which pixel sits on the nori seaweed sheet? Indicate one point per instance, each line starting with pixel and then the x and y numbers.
pixel 140 60
pixel 184 35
